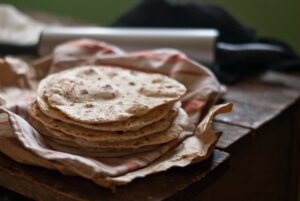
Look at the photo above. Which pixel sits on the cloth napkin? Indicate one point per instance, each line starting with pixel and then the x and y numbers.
pixel 21 142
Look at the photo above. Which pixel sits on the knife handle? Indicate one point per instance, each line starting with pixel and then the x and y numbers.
pixel 251 52
pixel 17 49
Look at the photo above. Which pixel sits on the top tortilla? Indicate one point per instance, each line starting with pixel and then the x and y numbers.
pixel 102 94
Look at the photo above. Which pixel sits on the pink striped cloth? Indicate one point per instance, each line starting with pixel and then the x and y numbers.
pixel 20 141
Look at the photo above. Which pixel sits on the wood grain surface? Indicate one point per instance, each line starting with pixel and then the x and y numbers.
pixel 42 184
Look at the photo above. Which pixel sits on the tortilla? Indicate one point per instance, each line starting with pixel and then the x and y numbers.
pixel 74 131
pixel 130 124
pixel 155 139
pixel 98 153
pixel 102 94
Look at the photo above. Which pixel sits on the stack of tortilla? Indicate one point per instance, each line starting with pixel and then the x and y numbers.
pixel 103 111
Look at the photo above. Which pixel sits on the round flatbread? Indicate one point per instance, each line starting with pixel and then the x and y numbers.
pixel 154 139
pixel 102 94
pixel 73 131
pixel 103 153
pixel 130 124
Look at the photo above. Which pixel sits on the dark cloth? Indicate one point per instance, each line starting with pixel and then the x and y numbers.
pixel 164 13
pixel 171 14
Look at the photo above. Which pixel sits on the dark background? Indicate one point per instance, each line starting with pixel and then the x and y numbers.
pixel 276 18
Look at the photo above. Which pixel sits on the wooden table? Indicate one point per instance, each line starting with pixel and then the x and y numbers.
pixel 261 136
